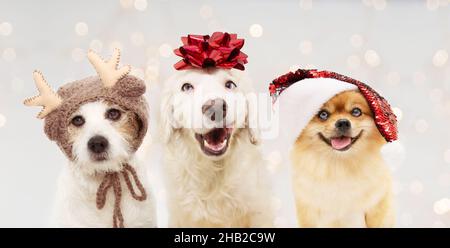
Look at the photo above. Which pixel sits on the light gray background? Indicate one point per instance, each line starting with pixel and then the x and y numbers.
pixel 392 45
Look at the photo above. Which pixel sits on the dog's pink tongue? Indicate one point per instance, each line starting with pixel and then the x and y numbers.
pixel 341 142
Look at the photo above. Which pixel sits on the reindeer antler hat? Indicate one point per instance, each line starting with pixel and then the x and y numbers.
pixel 112 84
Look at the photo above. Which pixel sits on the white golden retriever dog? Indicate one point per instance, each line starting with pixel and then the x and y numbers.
pixel 214 167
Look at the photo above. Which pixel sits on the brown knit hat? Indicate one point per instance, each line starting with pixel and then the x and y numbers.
pixel 112 84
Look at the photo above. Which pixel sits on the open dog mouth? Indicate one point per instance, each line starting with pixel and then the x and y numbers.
pixel 215 142
pixel 99 157
pixel 340 143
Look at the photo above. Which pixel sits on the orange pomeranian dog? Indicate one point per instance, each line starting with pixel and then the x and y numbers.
pixel 339 176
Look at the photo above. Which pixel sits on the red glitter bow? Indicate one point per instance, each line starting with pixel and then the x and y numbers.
pixel 221 50
pixel 385 118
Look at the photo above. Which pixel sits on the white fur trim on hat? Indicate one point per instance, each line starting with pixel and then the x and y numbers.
pixel 301 101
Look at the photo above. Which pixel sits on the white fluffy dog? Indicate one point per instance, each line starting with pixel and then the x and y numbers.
pixel 102 135
pixel 215 169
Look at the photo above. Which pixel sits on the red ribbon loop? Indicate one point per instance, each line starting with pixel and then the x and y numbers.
pixel 220 50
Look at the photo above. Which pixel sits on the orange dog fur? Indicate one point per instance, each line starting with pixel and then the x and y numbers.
pixel 339 176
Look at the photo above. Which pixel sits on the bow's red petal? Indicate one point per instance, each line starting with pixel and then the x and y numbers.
pixel 221 50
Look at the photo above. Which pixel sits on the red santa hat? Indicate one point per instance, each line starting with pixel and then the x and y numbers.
pixel 302 93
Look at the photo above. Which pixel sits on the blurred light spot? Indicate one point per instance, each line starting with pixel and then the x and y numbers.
pixel 419 77
pixel 440 58
pixel 421 126
pixel 436 95
pixel 305 47
pixel 17 85
pixel 356 40
pixel 126 4
pixel 165 50
pixel 442 206
pixel 81 29
pixel 256 30
pixel 206 12
pixel 447 156
pixel 140 5
pixel 353 61
pixel 9 54
pixel 372 58
pixel 432 4
pixel 115 44
pixel 78 54
pixel 137 38
pixel 6 28
pixel 2 120
pixel 137 72
pixel 96 45
pixel 379 4
pixel 398 112
pixel 416 187
pixel 306 4
pixel 393 78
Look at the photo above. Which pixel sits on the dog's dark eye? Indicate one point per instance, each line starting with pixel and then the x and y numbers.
pixel 356 112
pixel 113 114
pixel 77 121
pixel 323 115
pixel 187 87
pixel 230 85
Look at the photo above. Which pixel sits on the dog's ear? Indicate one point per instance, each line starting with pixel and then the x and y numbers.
pixel 54 125
pixel 166 118
pixel 251 121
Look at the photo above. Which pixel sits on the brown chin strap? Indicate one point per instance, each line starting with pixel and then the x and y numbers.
pixel 112 179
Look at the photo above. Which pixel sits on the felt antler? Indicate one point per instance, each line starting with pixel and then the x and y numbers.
pixel 107 69
pixel 47 98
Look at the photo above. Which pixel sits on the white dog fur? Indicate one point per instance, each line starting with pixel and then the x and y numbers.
pixel 229 190
pixel 78 183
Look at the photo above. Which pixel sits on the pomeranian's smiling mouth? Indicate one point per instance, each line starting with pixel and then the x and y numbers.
pixel 215 142
pixel 341 143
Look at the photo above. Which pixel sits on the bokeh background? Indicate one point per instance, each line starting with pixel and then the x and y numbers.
pixel 401 48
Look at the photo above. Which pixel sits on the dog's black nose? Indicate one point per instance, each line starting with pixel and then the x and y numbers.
pixel 215 109
pixel 343 125
pixel 98 144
